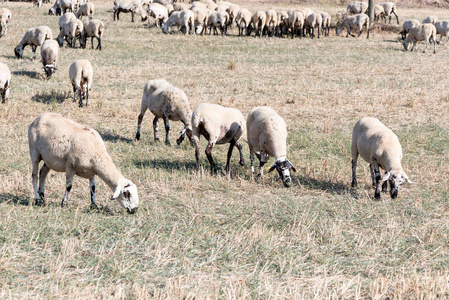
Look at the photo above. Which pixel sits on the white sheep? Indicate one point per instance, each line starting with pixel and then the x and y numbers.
pixel 243 20
pixel 354 22
pixel 169 103
pixel 380 147
pixel 180 18
pixel 200 19
pixel 49 55
pixel 34 37
pixel 407 26
pixel 65 18
pixel 61 6
pixel 267 136
pixel 129 6
pixel 5 81
pixel 282 22
pixel 218 125
pixel 81 74
pixel 326 23
pixel 389 8
pixel 314 23
pixel 442 28
pixel 296 22
pixel 93 29
pixel 258 21
pixel 159 12
pixel 271 22
pixel 87 10
pixel 5 17
pixel 357 7
pixel 425 32
pixel 430 19
pixel 67 146
pixel 180 6
pixel 379 12
pixel 71 31
pixel 220 19
pixel 233 10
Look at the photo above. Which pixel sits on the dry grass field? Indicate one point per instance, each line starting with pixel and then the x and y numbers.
pixel 198 235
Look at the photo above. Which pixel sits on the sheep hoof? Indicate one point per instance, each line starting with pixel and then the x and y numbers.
pixel 39 202
pixel 377 195
pixel 242 163
pixel 167 142
pixel 137 136
pixel 93 206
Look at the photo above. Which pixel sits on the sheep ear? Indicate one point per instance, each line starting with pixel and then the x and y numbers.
pixel 292 166
pixel 117 191
pixel 272 168
pixel 386 176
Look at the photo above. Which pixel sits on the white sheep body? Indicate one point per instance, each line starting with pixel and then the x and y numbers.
pixel 314 21
pixel 326 22
pixel 61 6
pixel 49 55
pixel 409 24
pixel 86 10
pixel 442 28
pixel 93 29
pixel 218 18
pixel 180 18
pixel 81 76
pixel 354 22
pixel 159 12
pixel 424 32
pixel 5 17
pixel 200 19
pixel 5 81
pixel 65 18
pixel 430 19
pixel 128 6
pixel 243 20
pixel 389 8
pixel 67 146
pixel 271 22
pixel 357 7
pixel 259 20
pixel 296 22
pixel 34 37
pixel 71 31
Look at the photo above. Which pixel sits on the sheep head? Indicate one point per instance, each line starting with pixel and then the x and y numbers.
pixel 18 51
pixel 283 167
pixel 49 70
pixel 396 179
pixel 126 194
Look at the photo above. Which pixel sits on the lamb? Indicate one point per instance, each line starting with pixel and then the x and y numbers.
pixel 5 81
pixel 93 29
pixel 354 22
pixel 61 6
pixel 407 26
pixel 380 147
pixel 218 19
pixel 159 12
pixel 430 19
pixel 314 20
pixel 389 8
pixel 67 146
pixel 243 20
pixel 87 9
pixel 296 22
pixel 49 55
pixel 357 7
pixel 179 18
pixel 72 30
pixel 80 74
pixel 126 6
pixel 259 21
pixel 218 125
pixel 5 16
pixel 442 28
pixel 267 136
pixel 425 32
pixel 34 37
pixel 271 22
pixel 326 23
pixel 169 103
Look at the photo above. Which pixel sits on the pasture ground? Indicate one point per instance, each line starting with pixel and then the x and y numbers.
pixel 198 235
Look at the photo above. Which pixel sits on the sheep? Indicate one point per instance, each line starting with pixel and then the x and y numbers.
pixel 80 74
pixel 159 12
pixel 389 8
pixel 180 6
pixel 380 147
pixel 218 19
pixel 357 7
pixel 267 136
pixel 170 9
pixel 282 22
pixel 326 22
pixel 72 30
pixel 259 21
pixel 5 16
pixel 49 55
pixel 233 10
pixel 67 146
pixel 354 22
pixel 61 6
pixel 430 19
pixel 218 125
pixel 407 26
pixel 126 6
pixel 93 29
pixel 243 20
pixel 296 22
pixel 442 28
pixel 179 18
pixel 34 37
pixel 5 81
pixel 87 9
pixel 271 22
pixel 169 103
pixel 65 18
pixel 37 3
pixel 314 20
pixel 425 32
pixel 200 19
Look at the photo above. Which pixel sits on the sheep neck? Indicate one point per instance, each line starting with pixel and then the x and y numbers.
pixel 109 173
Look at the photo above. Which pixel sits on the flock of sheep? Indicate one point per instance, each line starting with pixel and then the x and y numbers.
pixel 80 150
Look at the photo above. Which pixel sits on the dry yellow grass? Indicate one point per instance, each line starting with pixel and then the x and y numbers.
pixel 203 236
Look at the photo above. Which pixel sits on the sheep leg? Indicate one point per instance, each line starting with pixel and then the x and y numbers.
pixel 208 151
pixel 373 176
pixel 263 157
pixel 35 159
pixel 167 129
pixel 132 16
pixel 74 92
pixel 34 51
pixel 384 187
pixel 81 99
pixel 156 129
pixel 378 178
pixel 427 45
pixel 239 147
pixel 354 172
pixel 397 18
pixel 251 158
pixel 231 147
pixel 93 204
pixel 87 95
pixel 4 96
pixel 139 121
pixel 42 177
pixel 99 44
pixel 196 141
pixel 92 42
pixel 70 173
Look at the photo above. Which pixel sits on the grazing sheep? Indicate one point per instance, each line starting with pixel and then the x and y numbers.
pixel 380 147
pixel 170 9
pixel 159 12
pixel 34 37
pixel 5 16
pixel 357 7
pixel 354 22
pixel 61 6
pixel 425 32
pixel 314 20
pixel 72 30
pixel 49 55
pixel 271 22
pixel 243 20
pixel 93 29
pixel 442 28
pixel 200 19
pixel 65 18
pixel 87 9
pixel 129 6
pixel 180 6
pixel 389 8
pixel 180 18
pixel 267 136
pixel 379 12
pixel 5 81
pixel 37 3
pixel 80 74
pixel 326 23
pixel 259 20
pixel 169 103
pixel 282 22
pixel 218 19
pixel 233 10
pixel 67 146
pixel 218 125
pixel 296 22
pixel 430 19
pixel 407 26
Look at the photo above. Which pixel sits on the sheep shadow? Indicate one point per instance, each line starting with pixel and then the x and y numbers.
pixel 165 164
pixel 15 199
pixel 114 138
pixel 50 97
pixel 31 74
pixel 324 185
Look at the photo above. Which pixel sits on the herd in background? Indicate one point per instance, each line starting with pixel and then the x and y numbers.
pixel 82 151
